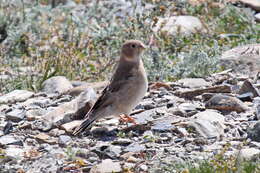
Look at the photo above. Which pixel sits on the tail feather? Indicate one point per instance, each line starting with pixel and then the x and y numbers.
pixel 83 126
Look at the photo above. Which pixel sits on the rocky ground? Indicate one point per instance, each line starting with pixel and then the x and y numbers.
pixel 189 120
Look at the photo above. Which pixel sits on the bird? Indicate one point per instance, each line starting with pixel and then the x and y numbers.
pixel 126 89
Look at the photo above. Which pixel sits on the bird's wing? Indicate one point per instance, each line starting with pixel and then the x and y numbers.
pixel 107 97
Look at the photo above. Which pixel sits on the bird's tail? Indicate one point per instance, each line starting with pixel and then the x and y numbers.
pixel 83 126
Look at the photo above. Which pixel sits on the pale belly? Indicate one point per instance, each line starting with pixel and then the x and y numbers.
pixel 132 96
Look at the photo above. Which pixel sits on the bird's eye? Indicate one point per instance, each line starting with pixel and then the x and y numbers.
pixel 133 45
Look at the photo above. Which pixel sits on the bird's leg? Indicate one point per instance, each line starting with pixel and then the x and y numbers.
pixel 127 119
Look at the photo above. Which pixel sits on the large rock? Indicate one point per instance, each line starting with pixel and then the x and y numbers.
pixel 208 123
pixel 75 109
pixel 106 166
pixel 179 24
pixel 245 59
pixel 16 96
pixel 226 103
pixel 57 85
pixel 16 115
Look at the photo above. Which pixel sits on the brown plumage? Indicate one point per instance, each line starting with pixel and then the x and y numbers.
pixel 126 89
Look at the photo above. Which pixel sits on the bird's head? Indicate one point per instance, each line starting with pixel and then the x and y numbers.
pixel 132 49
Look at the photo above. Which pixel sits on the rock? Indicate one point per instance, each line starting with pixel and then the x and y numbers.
pixel 75 109
pixel 84 102
pixel 35 103
pixel 14 153
pixel 106 166
pixel 249 153
pixel 16 96
pixel 193 82
pixel 254 4
pixel 64 140
pixel 44 138
pixel 206 128
pixel 208 123
pixel 246 97
pixel 144 117
pixel 243 59
pixel 162 126
pixel 173 25
pixel 134 147
pixel 248 87
pixel 210 115
pixel 190 93
pixel 34 114
pixel 254 133
pixel 113 151
pixel 10 140
pixel 57 85
pixel 57 114
pixel 226 103
pixel 69 127
pixel 16 115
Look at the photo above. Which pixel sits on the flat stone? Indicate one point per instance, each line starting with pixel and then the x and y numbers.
pixel 9 140
pixel 14 153
pixel 69 127
pixel 57 85
pixel 107 166
pixel 134 147
pixel 144 117
pixel 226 103
pixel 64 140
pixel 15 96
pixel 193 82
pixel 44 138
pixel 58 113
pixel 162 126
pixel 34 114
pixel 16 115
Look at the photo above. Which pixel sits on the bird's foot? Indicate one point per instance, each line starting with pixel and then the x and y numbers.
pixel 127 119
